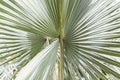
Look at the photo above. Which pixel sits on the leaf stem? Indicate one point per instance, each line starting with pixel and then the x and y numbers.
pixel 61 59
pixel 61 66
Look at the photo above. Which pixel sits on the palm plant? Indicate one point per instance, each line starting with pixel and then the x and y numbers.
pixel 59 40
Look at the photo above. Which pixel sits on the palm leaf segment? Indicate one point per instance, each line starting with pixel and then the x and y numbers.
pixel 28 35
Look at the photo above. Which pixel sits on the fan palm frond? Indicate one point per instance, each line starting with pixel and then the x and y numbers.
pixel 81 37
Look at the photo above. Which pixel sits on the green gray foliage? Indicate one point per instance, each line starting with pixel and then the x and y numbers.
pixel 29 39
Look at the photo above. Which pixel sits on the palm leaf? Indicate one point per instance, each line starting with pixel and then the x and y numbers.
pixel 90 39
pixel 18 47
pixel 28 17
pixel 43 64
pixel 89 30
